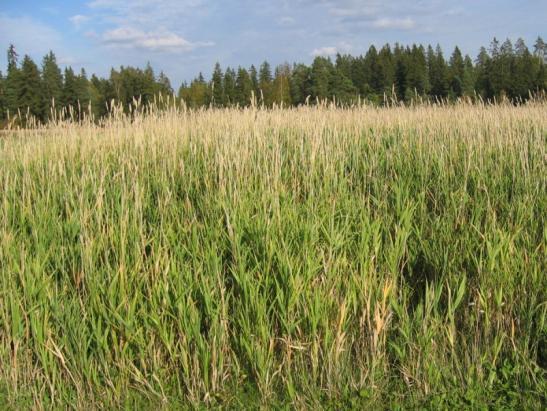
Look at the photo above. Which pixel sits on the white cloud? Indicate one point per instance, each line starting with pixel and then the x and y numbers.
pixel 388 23
pixel 324 51
pixel 78 20
pixel 154 41
pixel 286 21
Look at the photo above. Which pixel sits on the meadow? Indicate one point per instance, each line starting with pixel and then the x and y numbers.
pixel 312 257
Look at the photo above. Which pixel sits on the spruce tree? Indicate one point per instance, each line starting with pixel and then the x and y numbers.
pixel 230 87
pixel 321 72
pixel 253 74
pixel 300 84
pixel 483 67
pixel 52 81
pixel 438 72
pixel 30 95
pixel 265 83
pixel 417 78
pixel 469 77
pixel 244 87
pixel 342 88
pixel 387 68
pixel 12 83
pixel 217 86
pixel 3 107
pixel 69 94
pixel 456 73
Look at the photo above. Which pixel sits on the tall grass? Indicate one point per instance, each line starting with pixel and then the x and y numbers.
pixel 310 257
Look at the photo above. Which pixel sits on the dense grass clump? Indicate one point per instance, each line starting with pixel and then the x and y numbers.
pixel 311 257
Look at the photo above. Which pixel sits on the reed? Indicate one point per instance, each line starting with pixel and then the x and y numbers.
pixel 312 257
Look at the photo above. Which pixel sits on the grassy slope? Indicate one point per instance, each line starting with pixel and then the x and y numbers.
pixel 311 257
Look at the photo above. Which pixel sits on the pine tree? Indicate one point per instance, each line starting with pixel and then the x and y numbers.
pixel 52 81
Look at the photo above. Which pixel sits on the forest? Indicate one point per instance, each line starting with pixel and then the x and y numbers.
pixel 392 73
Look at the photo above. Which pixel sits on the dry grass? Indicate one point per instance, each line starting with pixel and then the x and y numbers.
pixel 313 257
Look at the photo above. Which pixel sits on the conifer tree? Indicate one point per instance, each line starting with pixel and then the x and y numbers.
pixel 3 107
pixel 300 84
pixel 253 74
pixel 52 81
pixel 456 73
pixel 281 90
pixel 321 72
pixel 30 95
pixel 438 72
pixel 164 84
pixel 217 85
pixel 69 95
pixel 12 84
pixel 230 87
pixel 244 87
pixel 265 83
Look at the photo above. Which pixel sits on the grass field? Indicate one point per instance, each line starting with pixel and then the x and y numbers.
pixel 309 258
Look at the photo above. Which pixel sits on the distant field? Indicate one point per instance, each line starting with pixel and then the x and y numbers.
pixel 312 258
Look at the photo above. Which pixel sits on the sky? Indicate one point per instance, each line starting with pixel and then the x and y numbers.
pixel 185 37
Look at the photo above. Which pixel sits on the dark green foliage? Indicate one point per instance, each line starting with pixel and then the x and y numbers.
pixel 230 98
pixel 281 89
pixel 265 83
pixel 244 87
pixel 29 93
pixel 52 83
pixel 198 94
pixel 438 72
pixel 2 99
pixel 321 72
pixel 217 85
pixel 401 73
pixel 300 84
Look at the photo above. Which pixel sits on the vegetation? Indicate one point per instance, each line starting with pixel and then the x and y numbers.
pixel 367 257
pixel 399 73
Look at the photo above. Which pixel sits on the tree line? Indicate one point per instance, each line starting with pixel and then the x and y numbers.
pixel 401 73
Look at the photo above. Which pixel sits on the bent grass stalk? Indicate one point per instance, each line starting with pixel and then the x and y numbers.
pixel 312 256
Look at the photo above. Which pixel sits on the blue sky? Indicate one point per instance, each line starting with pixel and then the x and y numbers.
pixel 185 37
